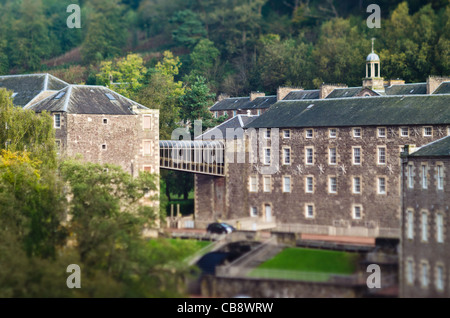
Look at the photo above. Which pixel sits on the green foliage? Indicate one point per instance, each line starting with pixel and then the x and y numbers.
pixel 189 29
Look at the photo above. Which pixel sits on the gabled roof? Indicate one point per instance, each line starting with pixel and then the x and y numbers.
pixel 344 92
pixel 407 89
pixel 437 148
pixel 302 94
pixel 444 88
pixel 28 86
pixel 243 103
pixel 238 121
pixel 86 99
pixel 260 103
pixel 357 111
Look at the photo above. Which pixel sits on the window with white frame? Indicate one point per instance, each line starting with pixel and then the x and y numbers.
pixel 357 212
pixel 287 156
pixel 410 224
pixel 424 225
pixel 286 134
pixel 332 185
pixel 410 177
pixel 267 133
pixel 440 277
pixel 253 183
pixel 309 156
pixel 286 184
pixel 309 211
pixel 381 185
pixel 309 184
pixel 309 133
pixel 356 155
pixel 259 112
pixel 332 132
pixel 440 177
pixel 267 156
pixel 105 121
pixel 253 211
pixel 424 275
pixel 404 131
pixel 357 185
pixel 427 131
pixel 439 228
pixel 382 132
pixel 147 124
pixel 216 114
pixel 332 156
pixel 382 155
pixel 410 271
pixel 357 132
pixel 424 177
pixel 147 147
pixel 57 120
pixel 267 183
pixel 234 113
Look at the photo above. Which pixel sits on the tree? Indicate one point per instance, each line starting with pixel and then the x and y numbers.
pixel 189 29
pixel 205 61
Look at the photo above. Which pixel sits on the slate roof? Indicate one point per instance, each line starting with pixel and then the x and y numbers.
pixel 437 148
pixel 303 94
pixel 86 99
pixel 407 89
pixel 344 92
pixel 235 103
pixel 29 86
pixel 358 111
pixel 260 103
pixel 238 121
pixel 444 88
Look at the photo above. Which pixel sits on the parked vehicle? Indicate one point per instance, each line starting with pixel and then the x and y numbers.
pixel 220 228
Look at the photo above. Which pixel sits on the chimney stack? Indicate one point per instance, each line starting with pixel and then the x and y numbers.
pixel 326 89
pixel 433 82
pixel 254 95
pixel 282 92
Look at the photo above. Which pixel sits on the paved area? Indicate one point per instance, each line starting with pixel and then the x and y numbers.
pixel 368 241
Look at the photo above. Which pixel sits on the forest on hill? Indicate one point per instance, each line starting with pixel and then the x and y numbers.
pixel 237 46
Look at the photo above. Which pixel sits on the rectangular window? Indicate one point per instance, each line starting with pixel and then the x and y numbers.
pixel 381 155
pixel 259 112
pixel 424 177
pixel 309 156
pixel 234 113
pixel 410 271
pixel 427 131
pixel 253 183
pixel 357 212
pixel 105 121
pixel 382 132
pixel 356 185
pixel 309 133
pixel 58 146
pixel 332 185
pixel 267 156
pixel 404 132
pixel 424 227
pixel 332 132
pixel 424 275
pixel 410 177
pixel 148 122
pixel 267 183
pixel 286 156
pixel 440 277
pixel 286 134
pixel 381 185
pixel 440 228
pixel 267 134
pixel 410 225
pixel 57 120
pixel 440 177
pixel 332 156
pixel 357 132
pixel 309 211
pixel 286 184
pixel 147 148
pixel 356 155
pixel 253 211
pixel 309 186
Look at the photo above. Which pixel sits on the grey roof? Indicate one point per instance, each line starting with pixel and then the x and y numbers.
pixel 29 86
pixel 86 99
pixel 302 94
pixel 444 88
pixel 344 92
pixel 238 121
pixel 407 89
pixel 437 148
pixel 235 103
pixel 372 57
pixel 358 111
pixel 260 103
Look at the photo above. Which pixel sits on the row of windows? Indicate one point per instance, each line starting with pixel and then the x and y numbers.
pixel 357 132
pixel 217 114
pixel 424 274
pixel 332 155
pixel 424 226
pixel 425 173
pixel 381 184
pixel 309 211
pixel 146 121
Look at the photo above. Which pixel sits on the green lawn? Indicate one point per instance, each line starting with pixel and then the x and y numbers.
pixel 307 264
pixel 179 247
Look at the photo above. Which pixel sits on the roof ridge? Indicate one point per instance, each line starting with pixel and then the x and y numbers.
pixel 66 101
pixel 429 144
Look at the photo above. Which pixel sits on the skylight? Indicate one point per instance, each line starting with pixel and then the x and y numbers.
pixel 60 94
pixel 110 96
pixel 411 90
pixel 14 95
pixel 310 106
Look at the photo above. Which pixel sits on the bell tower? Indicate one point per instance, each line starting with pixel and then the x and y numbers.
pixel 373 78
